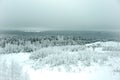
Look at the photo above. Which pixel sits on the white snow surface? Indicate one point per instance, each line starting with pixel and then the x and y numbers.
pixel 92 73
pixel 95 72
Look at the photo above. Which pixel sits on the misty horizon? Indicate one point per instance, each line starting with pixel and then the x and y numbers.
pixel 42 15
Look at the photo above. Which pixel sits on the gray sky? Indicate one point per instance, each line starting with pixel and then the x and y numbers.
pixel 60 14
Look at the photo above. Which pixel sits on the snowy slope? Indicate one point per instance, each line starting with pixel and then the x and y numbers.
pixel 110 70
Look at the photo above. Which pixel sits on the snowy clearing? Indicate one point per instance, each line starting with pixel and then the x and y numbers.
pixel 103 65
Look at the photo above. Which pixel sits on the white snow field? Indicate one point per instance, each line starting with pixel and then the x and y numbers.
pixel 67 63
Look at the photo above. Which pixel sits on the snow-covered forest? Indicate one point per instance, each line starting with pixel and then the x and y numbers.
pixel 16 41
pixel 59 56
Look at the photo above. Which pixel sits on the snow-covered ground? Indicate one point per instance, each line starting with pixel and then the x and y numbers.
pixel 110 70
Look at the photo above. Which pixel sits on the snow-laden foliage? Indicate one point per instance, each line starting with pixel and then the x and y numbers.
pixel 78 55
pixel 17 41
pixel 11 48
pixel 12 71
pixel 82 61
pixel 42 53
pixel 111 48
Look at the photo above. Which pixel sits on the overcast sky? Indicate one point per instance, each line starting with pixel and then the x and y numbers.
pixel 60 14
